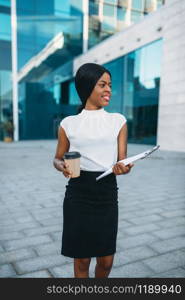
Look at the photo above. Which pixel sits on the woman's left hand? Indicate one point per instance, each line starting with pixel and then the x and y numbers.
pixel 120 168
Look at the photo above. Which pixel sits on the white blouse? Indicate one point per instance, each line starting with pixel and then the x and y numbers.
pixel 94 134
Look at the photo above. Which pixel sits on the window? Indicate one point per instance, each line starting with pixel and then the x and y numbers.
pixel 135 91
pixel 5 27
pixel 5 2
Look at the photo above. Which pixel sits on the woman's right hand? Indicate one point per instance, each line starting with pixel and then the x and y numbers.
pixel 61 166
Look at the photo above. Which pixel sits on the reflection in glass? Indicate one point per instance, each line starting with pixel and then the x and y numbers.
pixel 41 94
pixel 135 91
pixel 116 15
pixel 5 27
pixel 40 21
pixel 5 3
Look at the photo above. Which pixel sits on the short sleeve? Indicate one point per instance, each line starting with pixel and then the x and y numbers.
pixel 121 121
pixel 65 125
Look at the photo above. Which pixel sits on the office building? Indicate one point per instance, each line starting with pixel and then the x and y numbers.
pixel 140 41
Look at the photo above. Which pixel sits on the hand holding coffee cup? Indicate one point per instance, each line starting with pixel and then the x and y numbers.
pixel 65 170
pixel 72 164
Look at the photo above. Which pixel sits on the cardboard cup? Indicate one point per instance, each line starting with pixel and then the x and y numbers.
pixel 72 159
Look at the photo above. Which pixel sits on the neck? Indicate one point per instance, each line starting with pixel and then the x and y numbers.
pixel 92 107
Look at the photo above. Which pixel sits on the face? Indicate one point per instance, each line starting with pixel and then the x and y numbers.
pixel 101 93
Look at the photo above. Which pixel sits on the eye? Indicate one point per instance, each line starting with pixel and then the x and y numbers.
pixel 101 85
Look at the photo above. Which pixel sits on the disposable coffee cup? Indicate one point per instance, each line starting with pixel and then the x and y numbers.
pixel 72 159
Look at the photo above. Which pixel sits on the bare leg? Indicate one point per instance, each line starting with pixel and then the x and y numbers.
pixel 81 267
pixel 103 266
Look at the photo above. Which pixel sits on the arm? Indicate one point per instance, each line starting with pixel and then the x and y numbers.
pixel 62 147
pixel 122 142
pixel 120 168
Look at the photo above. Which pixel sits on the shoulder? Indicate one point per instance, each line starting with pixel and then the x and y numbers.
pixel 117 117
pixel 68 120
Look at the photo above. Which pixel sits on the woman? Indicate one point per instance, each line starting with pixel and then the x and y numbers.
pixel 90 208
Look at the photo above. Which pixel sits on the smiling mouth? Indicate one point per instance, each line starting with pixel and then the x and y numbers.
pixel 107 98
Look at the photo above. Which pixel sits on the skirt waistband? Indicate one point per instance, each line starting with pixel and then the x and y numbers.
pixel 91 177
pixel 91 172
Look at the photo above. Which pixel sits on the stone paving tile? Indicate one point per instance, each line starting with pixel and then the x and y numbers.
pixel 11 235
pixel 166 262
pixel 173 213
pixel 141 229
pixel 133 270
pixel 49 248
pixel 57 214
pixel 169 245
pixel 25 219
pixel 17 214
pixel 51 221
pixel 16 255
pixel 6 221
pixel 7 271
pixel 41 215
pixel 171 222
pixel 39 263
pixel 41 230
pixel 1 249
pixel 146 219
pixel 26 242
pixel 174 273
pixel 170 232
pixel 16 227
pixel 138 240
pixel 31 206
pixel 123 223
pixel 172 204
pixel 39 274
pixel 142 212
pixel 56 236
pixel 62 271
pixel 133 255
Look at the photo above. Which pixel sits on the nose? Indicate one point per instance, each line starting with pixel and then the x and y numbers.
pixel 108 88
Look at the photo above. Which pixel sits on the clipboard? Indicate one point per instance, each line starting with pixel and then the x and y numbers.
pixel 129 160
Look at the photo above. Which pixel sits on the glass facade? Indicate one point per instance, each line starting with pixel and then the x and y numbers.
pixel 40 21
pixel 5 66
pixel 42 94
pixel 49 36
pixel 135 91
pixel 106 17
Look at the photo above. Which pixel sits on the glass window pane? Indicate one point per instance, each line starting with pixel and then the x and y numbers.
pixel 5 2
pixel 116 67
pixel 136 16
pixel 111 1
pixel 135 91
pixel 73 96
pixel 137 4
pixel 93 8
pixel 121 12
pixel 57 93
pixel 5 27
pixel 108 10
pixel 109 18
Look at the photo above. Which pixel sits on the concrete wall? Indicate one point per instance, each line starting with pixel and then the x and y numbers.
pixel 167 23
pixel 171 123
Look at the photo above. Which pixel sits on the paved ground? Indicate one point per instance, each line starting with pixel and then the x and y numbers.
pixel 151 238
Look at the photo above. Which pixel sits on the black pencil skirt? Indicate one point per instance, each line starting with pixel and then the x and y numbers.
pixel 90 216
